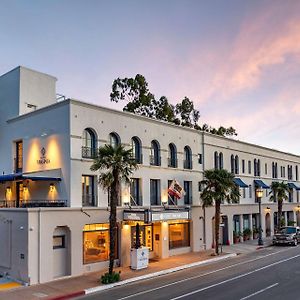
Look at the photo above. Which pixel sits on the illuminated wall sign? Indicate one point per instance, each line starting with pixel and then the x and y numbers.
pixel 43 159
pixel 134 216
pixel 165 216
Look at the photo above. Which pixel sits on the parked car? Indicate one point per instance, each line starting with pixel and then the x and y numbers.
pixel 288 235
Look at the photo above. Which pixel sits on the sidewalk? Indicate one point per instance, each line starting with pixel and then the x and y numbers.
pixel 76 284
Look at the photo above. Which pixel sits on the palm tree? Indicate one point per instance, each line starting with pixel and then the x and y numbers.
pixel 279 191
pixel 116 164
pixel 219 186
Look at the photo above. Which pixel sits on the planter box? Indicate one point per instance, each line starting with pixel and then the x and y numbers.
pixel 139 258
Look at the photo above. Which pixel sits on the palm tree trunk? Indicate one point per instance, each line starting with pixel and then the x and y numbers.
pixel 279 214
pixel 113 221
pixel 217 226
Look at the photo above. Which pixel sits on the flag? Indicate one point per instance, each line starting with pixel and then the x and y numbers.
pixel 176 190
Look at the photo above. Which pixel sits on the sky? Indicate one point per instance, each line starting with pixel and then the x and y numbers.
pixel 238 61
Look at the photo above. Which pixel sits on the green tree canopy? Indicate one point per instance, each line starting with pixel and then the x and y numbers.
pixel 141 101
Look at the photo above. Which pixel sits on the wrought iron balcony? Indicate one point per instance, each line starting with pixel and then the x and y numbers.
pixel 88 152
pixel 32 203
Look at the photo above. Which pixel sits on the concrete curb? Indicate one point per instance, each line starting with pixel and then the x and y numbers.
pixel 156 274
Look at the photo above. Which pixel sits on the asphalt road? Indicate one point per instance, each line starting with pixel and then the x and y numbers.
pixel 270 273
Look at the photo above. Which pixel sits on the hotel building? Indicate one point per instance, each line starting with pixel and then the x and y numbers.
pixel 53 214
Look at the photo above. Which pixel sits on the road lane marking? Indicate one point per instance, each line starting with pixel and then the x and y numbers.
pixel 234 278
pixel 201 275
pixel 260 291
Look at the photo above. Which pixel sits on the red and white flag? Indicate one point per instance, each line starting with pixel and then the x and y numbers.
pixel 176 190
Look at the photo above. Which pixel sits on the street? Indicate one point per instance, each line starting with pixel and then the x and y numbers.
pixel 272 272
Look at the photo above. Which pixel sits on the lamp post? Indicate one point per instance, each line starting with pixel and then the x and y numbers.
pixel 259 194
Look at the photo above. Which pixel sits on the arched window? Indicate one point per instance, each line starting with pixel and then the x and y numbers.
pixel 216 160
pixel 172 159
pixel 188 162
pixel 155 153
pixel 255 167
pixel 137 149
pixel 221 164
pixel 232 162
pixel 114 139
pixel 236 165
pixel 89 143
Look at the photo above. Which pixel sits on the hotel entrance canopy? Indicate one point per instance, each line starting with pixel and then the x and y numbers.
pixel 21 176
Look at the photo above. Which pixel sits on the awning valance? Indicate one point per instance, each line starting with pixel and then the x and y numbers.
pixel 20 176
pixel 293 186
pixel 240 182
pixel 261 184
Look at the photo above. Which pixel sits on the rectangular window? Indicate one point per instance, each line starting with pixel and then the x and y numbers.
pixel 266 169
pixel 58 241
pixel 249 166
pixel 19 157
pixel 244 193
pixel 155 192
pixel 146 236
pixel 297 192
pixel 243 166
pixel 296 172
pixel 199 186
pixel 135 192
pixel 88 190
pixel 187 186
pixel 250 191
pixel 179 235
pixel 96 243
pixel 200 158
pixel 291 195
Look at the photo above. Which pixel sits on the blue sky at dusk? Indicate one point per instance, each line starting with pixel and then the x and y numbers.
pixel 239 61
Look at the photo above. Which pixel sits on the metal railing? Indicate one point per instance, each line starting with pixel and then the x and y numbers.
pixel 155 160
pixel 88 152
pixel 187 164
pixel 172 162
pixel 89 200
pixel 32 203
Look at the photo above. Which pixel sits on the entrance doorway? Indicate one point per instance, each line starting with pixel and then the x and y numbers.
pixel 268 225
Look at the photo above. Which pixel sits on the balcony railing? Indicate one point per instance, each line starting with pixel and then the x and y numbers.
pixel 89 200
pixel 32 203
pixel 88 152
pixel 172 162
pixel 155 160
pixel 187 164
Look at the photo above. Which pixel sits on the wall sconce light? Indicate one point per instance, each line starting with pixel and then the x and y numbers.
pixel 25 188
pixel 164 198
pixel 268 209
pixel 51 187
pixel 297 208
pixel 8 190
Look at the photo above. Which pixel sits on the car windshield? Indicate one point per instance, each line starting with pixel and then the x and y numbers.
pixel 288 230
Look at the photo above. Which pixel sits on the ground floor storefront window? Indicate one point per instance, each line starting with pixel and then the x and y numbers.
pixel 96 243
pixel 146 236
pixel 179 235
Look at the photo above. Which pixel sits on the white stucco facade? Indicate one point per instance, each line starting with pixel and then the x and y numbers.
pixel 50 199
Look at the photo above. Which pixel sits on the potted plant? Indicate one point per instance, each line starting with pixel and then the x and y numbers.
pixel 246 234
pixel 236 236
pixel 255 233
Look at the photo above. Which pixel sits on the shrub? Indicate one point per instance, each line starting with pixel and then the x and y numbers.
pixel 110 278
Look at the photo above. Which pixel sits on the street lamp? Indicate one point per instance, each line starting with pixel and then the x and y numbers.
pixel 259 194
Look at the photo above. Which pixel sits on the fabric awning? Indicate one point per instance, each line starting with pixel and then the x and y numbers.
pixel 20 176
pixel 261 184
pixel 293 186
pixel 240 182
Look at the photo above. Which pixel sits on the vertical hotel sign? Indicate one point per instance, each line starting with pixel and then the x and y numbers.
pixel 43 158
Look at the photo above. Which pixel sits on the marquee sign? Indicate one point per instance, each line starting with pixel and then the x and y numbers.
pixel 43 159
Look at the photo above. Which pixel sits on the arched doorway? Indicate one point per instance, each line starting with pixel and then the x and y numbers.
pixel 61 251
pixel 268 224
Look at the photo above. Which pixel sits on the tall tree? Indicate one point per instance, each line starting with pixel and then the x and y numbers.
pixel 116 165
pixel 218 188
pixel 279 192
pixel 189 116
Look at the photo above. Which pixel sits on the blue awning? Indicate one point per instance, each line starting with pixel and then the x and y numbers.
pixel 293 186
pixel 20 176
pixel 261 184
pixel 240 182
